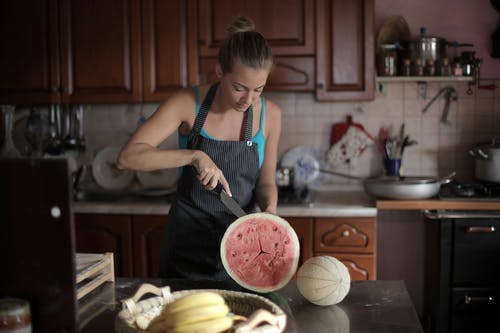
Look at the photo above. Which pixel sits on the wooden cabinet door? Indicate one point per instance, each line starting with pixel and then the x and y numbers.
pixel 148 235
pixel 304 229
pixel 100 51
pixel 288 25
pixel 345 235
pixel 345 50
pixel 169 47
pixel 360 266
pixel 29 70
pixel 106 233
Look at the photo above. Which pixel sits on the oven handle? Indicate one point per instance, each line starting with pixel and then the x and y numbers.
pixel 443 214
pixel 471 299
pixel 480 229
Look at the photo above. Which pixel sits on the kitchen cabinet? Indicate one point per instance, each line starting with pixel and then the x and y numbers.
pixel 288 26
pixel 106 233
pixel 351 240
pixel 135 241
pixel 169 47
pixel 345 50
pixel 304 229
pixel 147 231
pixel 70 51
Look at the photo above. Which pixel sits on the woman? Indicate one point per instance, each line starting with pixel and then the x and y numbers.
pixel 232 138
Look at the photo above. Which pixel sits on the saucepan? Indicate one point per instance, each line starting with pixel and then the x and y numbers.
pixel 400 187
pixel 487 160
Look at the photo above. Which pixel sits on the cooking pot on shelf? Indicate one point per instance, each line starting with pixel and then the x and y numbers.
pixel 487 161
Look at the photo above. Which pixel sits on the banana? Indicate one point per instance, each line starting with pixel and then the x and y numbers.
pixel 206 326
pixel 192 315
pixel 194 300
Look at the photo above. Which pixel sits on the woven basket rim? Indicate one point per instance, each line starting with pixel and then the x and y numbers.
pixel 124 320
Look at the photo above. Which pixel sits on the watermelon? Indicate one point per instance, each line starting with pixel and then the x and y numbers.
pixel 260 252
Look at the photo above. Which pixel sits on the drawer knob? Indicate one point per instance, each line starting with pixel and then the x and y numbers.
pixel 346 233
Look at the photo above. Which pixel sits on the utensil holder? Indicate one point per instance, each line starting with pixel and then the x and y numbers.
pixel 392 166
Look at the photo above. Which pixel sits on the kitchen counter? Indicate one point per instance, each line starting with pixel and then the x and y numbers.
pixel 370 306
pixel 323 204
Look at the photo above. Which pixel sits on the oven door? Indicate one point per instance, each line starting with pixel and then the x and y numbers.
pixel 476 252
pixel 475 310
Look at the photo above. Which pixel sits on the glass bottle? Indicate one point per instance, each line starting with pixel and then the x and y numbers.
pixel 15 316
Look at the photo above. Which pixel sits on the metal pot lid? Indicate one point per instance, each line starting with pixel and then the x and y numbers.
pixel 402 180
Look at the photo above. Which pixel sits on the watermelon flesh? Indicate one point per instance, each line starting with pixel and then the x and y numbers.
pixel 260 252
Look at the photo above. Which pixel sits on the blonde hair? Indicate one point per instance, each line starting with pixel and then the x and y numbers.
pixel 245 45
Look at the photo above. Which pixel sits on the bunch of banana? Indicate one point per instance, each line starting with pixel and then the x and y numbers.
pixel 196 313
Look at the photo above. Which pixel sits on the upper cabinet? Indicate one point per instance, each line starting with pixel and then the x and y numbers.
pixel 70 51
pixel 100 51
pixel 345 50
pixel 169 47
pixel 29 58
pixel 288 27
pixel 132 51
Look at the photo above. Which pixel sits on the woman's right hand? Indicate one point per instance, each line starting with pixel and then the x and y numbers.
pixel 208 172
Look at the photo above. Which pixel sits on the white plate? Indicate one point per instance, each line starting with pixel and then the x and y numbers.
pixel 106 174
pixel 306 162
pixel 163 178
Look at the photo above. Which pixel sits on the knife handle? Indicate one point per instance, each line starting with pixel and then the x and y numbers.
pixel 218 189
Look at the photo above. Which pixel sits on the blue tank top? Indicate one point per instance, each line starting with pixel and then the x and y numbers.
pixel 259 137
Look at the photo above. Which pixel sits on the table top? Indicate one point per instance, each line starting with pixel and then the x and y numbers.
pixel 370 306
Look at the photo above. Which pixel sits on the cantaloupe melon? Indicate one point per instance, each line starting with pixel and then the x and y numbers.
pixel 323 280
pixel 260 252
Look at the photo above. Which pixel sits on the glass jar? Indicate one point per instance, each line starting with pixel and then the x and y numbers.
pixel 418 67
pixel 444 68
pixel 15 316
pixel 430 68
pixel 387 60
pixel 406 68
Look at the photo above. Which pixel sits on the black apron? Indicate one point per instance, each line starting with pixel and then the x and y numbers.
pixel 197 219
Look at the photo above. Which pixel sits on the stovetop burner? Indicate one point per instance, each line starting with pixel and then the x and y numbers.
pixel 471 190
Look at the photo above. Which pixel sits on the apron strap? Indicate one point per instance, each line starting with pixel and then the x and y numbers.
pixel 205 107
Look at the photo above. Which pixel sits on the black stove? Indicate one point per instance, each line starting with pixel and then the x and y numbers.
pixel 475 191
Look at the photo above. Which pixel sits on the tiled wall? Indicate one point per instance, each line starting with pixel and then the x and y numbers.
pixel 441 148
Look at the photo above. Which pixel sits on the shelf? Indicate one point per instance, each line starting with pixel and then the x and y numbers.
pixel 424 78
pixel 421 82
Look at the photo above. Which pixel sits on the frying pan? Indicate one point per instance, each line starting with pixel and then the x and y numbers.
pixel 400 188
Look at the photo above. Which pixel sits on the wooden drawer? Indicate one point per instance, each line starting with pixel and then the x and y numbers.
pixel 345 235
pixel 360 266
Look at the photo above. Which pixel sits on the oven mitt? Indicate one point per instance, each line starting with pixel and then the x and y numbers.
pixel 348 141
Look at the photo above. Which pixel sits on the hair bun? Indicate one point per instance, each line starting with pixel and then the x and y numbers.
pixel 241 24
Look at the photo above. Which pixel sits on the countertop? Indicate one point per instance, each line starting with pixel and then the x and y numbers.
pixel 370 306
pixel 323 204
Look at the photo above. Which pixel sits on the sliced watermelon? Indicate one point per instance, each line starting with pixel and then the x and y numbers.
pixel 260 252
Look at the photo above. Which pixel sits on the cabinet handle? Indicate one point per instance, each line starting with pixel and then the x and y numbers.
pixel 320 85
pixel 346 233
pixel 476 229
pixel 486 299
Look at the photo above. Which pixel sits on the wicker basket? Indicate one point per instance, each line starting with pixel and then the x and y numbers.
pixel 254 307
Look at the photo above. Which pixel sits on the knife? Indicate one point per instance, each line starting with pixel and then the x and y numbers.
pixel 228 201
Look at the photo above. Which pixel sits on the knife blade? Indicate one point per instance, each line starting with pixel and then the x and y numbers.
pixel 229 202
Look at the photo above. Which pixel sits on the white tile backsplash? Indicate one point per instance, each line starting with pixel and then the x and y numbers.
pixel 441 148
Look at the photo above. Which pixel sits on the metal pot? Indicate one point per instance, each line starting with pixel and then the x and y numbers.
pixel 487 161
pixel 405 188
